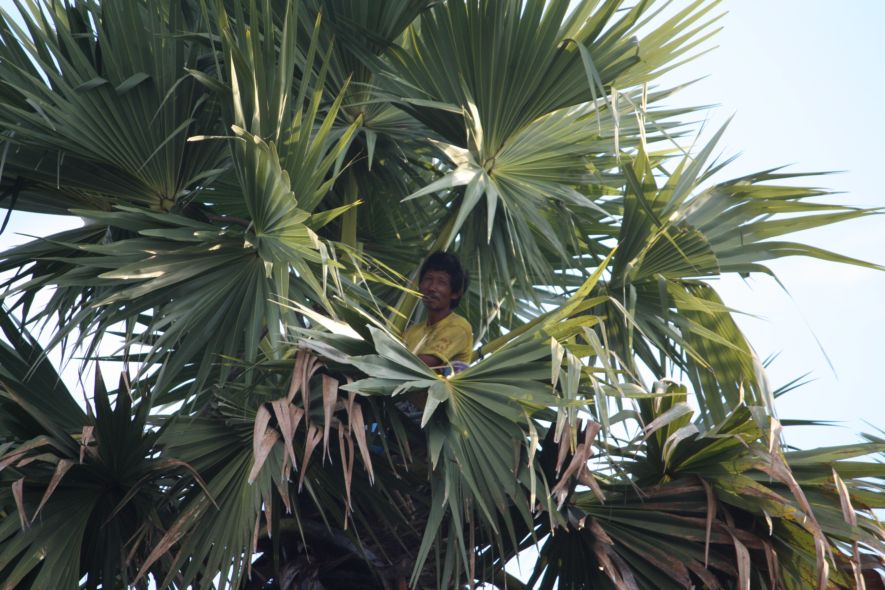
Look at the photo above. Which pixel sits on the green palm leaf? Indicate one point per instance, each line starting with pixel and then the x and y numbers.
pixel 97 477
pixel 99 96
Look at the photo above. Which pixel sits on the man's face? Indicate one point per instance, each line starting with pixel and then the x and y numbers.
pixel 436 287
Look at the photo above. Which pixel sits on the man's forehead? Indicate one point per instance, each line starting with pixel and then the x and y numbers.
pixel 436 274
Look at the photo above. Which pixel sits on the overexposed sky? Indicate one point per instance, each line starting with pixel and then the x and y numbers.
pixel 803 81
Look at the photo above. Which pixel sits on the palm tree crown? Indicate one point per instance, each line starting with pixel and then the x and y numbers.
pixel 259 182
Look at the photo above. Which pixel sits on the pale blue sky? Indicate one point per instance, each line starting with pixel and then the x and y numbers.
pixel 803 81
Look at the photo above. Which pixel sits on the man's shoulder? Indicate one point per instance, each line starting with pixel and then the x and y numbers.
pixel 416 328
pixel 455 320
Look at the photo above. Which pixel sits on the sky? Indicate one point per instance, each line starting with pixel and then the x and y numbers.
pixel 800 79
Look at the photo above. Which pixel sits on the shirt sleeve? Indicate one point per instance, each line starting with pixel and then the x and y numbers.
pixel 447 342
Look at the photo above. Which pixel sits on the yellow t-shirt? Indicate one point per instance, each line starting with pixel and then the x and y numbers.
pixel 450 339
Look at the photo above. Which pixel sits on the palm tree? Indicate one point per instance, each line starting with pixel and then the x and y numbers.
pixel 259 180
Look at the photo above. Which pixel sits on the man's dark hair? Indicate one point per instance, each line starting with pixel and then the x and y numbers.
pixel 448 263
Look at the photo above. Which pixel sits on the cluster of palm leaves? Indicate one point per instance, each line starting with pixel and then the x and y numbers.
pixel 258 182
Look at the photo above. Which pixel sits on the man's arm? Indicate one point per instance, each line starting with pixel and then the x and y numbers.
pixel 446 343
pixel 431 360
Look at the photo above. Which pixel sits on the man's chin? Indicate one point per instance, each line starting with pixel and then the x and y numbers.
pixel 433 304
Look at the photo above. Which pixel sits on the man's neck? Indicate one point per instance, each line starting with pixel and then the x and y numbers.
pixel 435 316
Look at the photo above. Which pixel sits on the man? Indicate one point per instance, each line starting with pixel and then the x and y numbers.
pixel 444 338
